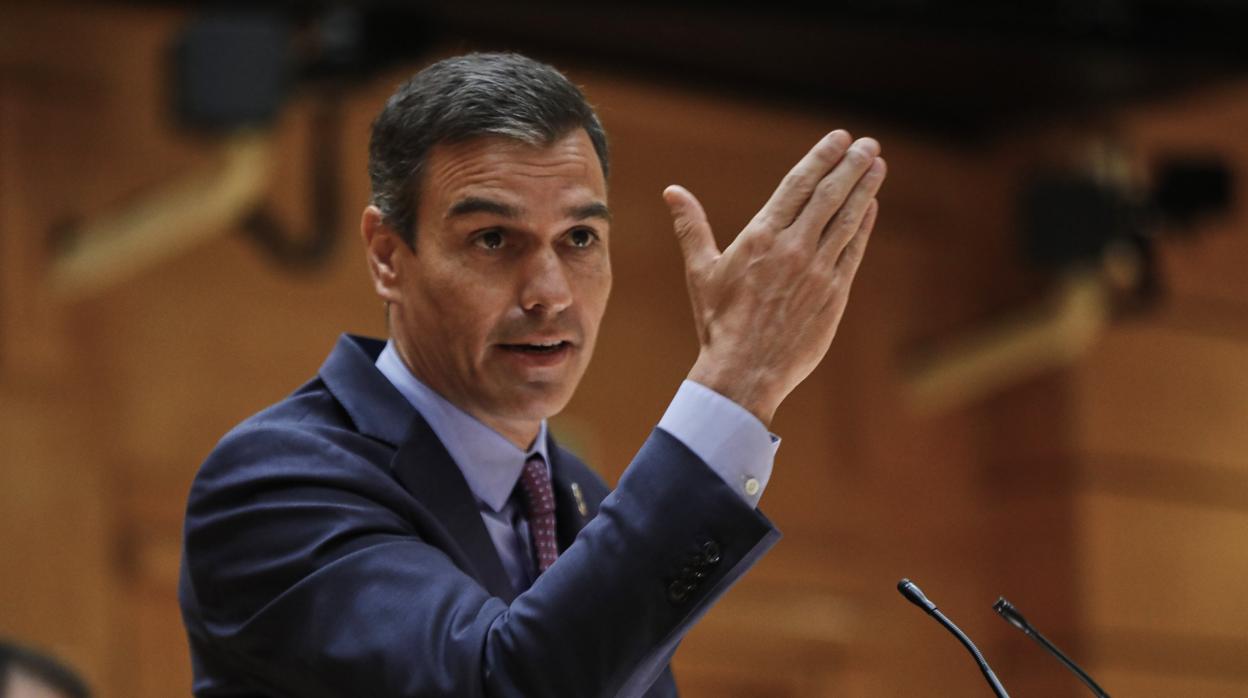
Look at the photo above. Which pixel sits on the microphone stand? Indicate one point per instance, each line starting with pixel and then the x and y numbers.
pixel 1016 619
pixel 915 595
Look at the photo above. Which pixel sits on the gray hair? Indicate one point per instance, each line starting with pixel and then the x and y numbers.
pixel 466 97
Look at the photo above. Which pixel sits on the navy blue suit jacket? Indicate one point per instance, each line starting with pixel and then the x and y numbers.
pixel 333 548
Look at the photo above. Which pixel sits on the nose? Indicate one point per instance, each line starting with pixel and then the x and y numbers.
pixel 544 286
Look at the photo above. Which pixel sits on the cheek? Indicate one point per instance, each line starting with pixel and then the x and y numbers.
pixel 599 291
pixel 440 311
pixel 467 309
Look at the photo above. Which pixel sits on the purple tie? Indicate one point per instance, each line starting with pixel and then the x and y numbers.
pixel 539 500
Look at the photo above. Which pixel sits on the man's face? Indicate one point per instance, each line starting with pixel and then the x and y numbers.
pixel 498 307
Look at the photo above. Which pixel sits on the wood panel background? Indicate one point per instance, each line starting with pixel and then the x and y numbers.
pixel 1108 501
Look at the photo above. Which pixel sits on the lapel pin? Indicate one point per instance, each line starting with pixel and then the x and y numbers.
pixel 580 500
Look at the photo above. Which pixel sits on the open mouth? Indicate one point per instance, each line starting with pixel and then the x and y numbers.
pixel 537 348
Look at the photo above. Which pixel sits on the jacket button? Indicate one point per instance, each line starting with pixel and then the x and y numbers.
pixel 710 553
pixel 678 591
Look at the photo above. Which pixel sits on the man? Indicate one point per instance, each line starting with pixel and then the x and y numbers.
pixel 402 525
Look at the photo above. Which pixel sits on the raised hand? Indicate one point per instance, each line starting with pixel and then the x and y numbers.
pixel 767 307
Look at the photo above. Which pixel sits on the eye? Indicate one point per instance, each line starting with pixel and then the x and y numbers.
pixel 489 239
pixel 582 237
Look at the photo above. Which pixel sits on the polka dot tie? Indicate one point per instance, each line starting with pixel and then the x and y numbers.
pixel 539 501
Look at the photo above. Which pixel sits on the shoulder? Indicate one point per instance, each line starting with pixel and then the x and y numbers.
pixel 308 435
pixel 294 484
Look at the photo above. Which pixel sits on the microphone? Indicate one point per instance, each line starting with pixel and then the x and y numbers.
pixel 915 595
pixel 1016 619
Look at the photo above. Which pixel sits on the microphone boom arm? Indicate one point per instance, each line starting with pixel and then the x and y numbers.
pixel 911 591
pixel 1016 619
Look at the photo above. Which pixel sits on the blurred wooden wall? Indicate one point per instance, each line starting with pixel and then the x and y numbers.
pixel 1108 501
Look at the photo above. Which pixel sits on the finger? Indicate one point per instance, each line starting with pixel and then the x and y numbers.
pixel 848 264
pixel 845 224
pixel 796 187
pixel 693 232
pixel 851 256
pixel 833 191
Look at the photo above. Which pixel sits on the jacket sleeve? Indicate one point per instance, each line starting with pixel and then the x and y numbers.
pixel 309 572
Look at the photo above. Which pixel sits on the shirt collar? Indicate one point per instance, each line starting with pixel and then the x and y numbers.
pixel 490 463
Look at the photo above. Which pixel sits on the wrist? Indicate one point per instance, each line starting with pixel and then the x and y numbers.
pixel 744 387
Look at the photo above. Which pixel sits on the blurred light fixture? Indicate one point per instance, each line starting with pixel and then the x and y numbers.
pixel 1094 231
pixel 232 69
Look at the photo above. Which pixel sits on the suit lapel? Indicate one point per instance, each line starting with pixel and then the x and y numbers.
pixel 421 462
pixel 376 407
pixel 431 476
pixel 576 496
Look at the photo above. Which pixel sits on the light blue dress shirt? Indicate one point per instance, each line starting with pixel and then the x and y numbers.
pixel 733 442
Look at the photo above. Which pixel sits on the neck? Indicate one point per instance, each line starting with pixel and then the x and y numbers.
pixel 522 433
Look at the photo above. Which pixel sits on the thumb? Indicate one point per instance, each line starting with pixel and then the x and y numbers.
pixel 693 232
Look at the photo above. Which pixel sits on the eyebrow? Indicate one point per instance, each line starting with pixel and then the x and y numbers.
pixel 597 209
pixel 476 204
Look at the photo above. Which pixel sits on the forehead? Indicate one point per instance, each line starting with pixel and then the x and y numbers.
pixel 507 168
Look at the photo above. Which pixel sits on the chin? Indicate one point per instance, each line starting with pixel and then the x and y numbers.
pixel 540 403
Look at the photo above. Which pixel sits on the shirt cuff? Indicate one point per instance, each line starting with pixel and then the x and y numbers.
pixel 733 442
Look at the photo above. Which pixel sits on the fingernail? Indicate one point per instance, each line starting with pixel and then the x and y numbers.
pixel 868 145
pixel 840 136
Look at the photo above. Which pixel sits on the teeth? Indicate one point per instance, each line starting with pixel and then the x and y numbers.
pixel 545 345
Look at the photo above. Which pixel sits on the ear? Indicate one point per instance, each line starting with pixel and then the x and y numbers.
pixel 382 249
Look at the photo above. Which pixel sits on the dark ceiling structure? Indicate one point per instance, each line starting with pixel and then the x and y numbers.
pixel 961 70
pixel 963 73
